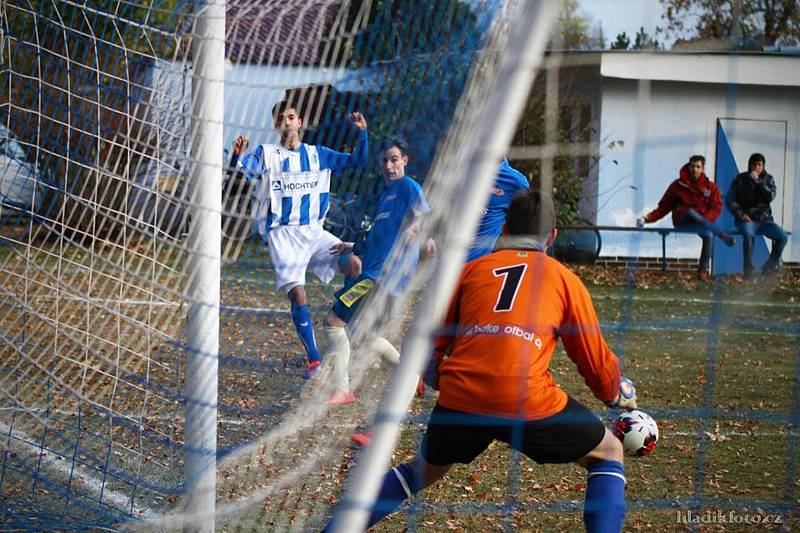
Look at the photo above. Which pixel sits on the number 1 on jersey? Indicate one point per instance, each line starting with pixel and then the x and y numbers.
pixel 512 278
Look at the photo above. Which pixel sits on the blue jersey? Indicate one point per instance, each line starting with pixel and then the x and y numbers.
pixel 400 198
pixel 507 183
pixel 297 189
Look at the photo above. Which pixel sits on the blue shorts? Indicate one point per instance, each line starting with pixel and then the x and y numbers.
pixel 350 297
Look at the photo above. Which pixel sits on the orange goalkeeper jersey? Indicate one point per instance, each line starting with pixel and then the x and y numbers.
pixel 510 308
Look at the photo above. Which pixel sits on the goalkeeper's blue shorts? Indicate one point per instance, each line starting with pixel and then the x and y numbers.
pixel 350 297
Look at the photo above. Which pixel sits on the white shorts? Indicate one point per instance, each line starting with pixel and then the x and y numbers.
pixel 295 249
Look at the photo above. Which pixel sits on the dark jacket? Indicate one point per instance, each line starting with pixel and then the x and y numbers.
pixel 683 194
pixel 751 197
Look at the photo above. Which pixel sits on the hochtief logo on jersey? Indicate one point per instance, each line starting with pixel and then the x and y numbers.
pixel 293 186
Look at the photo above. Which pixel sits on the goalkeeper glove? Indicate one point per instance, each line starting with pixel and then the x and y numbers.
pixel 627 395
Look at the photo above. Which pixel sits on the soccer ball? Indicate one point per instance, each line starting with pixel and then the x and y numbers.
pixel 638 432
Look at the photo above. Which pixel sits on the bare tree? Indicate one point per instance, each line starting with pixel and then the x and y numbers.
pixel 748 23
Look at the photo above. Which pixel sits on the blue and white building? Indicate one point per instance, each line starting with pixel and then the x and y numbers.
pixel 652 110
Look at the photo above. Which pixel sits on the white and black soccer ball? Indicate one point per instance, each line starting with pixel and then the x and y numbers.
pixel 638 432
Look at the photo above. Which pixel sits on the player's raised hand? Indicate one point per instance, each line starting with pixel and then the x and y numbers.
pixel 240 144
pixel 358 121
pixel 627 395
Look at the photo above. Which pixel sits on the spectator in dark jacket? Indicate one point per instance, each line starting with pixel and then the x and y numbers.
pixel 748 201
pixel 695 203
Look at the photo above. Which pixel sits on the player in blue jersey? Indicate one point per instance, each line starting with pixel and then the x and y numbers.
pixel 292 201
pixel 399 205
pixel 507 183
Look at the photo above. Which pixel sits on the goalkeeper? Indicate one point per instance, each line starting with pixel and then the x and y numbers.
pixel 396 218
pixel 293 196
pixel 491 369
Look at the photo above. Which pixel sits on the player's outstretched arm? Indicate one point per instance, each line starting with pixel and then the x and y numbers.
pixel 584 343
pixel 338 161
pixel 238 147
pixel 358 121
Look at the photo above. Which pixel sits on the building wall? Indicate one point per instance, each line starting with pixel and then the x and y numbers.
pixel 252 90
pixel 662 123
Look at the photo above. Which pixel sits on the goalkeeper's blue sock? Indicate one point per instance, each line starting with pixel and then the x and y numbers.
pixel 398 484
pixel 305 329
pixel 604 507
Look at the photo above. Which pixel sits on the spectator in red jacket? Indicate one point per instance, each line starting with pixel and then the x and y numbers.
pixel 695 203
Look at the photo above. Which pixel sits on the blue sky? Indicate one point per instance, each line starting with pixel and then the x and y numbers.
pixel 623 15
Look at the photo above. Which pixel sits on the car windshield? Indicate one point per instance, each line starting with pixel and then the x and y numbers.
pixel 11 148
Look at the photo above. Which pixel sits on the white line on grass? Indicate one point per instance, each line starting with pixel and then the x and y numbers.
pixel 62 468
pixel 49 297
pixel 282 311
pixel 132 418
pixel 112 301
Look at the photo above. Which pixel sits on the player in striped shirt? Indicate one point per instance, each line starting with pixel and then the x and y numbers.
pixel 509 310
pixel 292 201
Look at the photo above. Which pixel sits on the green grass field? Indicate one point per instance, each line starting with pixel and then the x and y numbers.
pixel 732 348
pixel 716 364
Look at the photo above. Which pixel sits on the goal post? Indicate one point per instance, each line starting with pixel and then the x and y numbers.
pixel 205 248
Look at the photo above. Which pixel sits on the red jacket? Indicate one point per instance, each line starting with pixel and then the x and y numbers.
pixel 683 194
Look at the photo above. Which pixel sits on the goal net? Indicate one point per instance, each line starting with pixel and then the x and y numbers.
pixel 150 372
pixel 108 116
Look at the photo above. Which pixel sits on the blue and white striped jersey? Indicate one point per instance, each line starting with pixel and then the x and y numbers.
pixel 295 184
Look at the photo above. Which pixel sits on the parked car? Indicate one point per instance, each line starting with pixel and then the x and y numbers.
pixel 20 180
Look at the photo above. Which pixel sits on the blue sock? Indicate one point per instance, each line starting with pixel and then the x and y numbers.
pixel 604 507
pixel 398 484
pixel 305 329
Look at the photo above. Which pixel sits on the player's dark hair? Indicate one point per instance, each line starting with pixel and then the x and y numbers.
pixel 279 108
pixel 697 157
pixel 531 213
pixel 756 158
pixel 396 141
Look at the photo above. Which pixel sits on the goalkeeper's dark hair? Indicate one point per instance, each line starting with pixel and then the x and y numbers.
pixel 396 141
pixel 531 213
pixel 698 157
